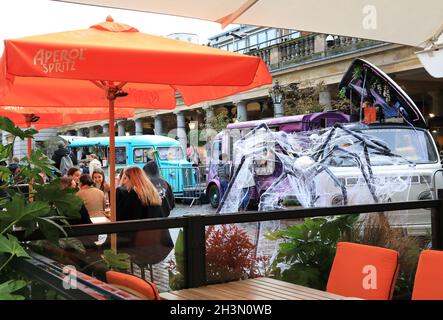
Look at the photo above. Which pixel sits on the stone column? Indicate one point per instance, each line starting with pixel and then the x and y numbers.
pixel 242 111
pixel 181 129
pixel 92 132
pixel 121 128
pixel 279 110
pixel 138 126
pixel 158 125
pixel 105 128
pixel 325 99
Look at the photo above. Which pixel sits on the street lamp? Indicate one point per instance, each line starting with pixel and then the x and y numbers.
pixel 276 93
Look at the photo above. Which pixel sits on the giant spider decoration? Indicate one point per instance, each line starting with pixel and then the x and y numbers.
pixel 296 167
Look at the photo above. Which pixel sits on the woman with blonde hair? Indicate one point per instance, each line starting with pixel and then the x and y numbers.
pixel 137 198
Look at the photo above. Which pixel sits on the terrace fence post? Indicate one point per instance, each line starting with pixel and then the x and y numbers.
pixel 195 252
pixel 437 223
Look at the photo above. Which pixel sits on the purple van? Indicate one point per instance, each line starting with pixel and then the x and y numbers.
pixel 223 142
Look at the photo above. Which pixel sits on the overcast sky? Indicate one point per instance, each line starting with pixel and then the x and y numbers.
pixel 19 18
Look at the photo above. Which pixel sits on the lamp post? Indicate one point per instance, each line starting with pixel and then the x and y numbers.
pixel 276 93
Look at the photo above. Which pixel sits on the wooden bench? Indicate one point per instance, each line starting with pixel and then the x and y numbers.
pixel 251 289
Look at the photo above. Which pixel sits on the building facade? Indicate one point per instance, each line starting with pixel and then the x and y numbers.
pixel 292 57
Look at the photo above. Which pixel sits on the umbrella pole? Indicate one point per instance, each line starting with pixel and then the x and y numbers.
pixel 29 147
pixel 28 121
pixel 112 168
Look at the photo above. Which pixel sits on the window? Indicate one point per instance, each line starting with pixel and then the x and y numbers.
pixel 272 34
pixel 252 41
pixel 216 150
pixel 120 155
pixel 295 35
pixel 413 145
pixel 143 155
pixel 230 47
pixel 262 39
pixel 241 45
pixel 170 153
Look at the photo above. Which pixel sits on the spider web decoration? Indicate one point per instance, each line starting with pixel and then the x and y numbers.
pixel 335 166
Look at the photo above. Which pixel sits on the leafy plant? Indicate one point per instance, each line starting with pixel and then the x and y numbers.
pixel 46 207
pixel 303 98
pixel 306 254
pixel 116 261
pixel 176 269
pixel 230 255
pixel 9 287
pixel 219 121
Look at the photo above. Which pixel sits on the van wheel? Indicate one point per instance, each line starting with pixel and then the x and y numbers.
pixel 214 196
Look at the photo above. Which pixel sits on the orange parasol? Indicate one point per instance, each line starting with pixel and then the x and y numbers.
pixel 132 69
pixel 43 118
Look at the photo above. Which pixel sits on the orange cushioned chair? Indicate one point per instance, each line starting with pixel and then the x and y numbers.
pixel 132 284
pixel 362 271
pixel 428 283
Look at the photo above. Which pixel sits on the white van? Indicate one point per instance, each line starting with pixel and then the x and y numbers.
pixel 401 126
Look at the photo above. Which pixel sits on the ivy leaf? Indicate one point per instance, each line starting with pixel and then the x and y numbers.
pixel 50 229
pixel 66 202
pixel 179 253
pixel 116 261
pixel 32 167
pixel 9 126
pixel 18 209
pixel 12 246
pixel 5 151
pixel 72 243
pixel 5 173
pixel 9 287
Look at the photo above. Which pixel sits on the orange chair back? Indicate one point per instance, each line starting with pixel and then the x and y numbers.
pixel 145 289
pixel 428 283
pixel 362 271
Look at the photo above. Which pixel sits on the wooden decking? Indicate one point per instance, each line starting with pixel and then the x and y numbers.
pixel 251 289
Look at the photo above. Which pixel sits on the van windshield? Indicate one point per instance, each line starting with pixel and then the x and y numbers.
pixel 170 153
pixel 414 145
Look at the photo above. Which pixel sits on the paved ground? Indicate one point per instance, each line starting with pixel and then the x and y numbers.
pixel 265 247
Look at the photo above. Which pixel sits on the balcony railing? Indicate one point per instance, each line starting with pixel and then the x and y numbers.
pixel 309 48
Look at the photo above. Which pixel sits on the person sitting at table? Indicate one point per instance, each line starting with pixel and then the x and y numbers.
pixel 67 182
pixel 98 176
pixel 75 174
pixel 93 198
pixel 138 198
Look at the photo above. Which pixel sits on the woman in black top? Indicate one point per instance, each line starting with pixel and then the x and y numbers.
pixel 138 199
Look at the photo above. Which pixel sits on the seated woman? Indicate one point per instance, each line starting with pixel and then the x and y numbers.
pixel 137 198
pixel 93 198
pixel 98 176
pixel 75 174
pixel 67 182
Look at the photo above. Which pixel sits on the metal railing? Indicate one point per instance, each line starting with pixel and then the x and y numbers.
pixel 194 227
pixel 187 182
pixel 309 48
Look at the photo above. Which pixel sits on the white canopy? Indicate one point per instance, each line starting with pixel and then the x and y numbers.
pixel 408 22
